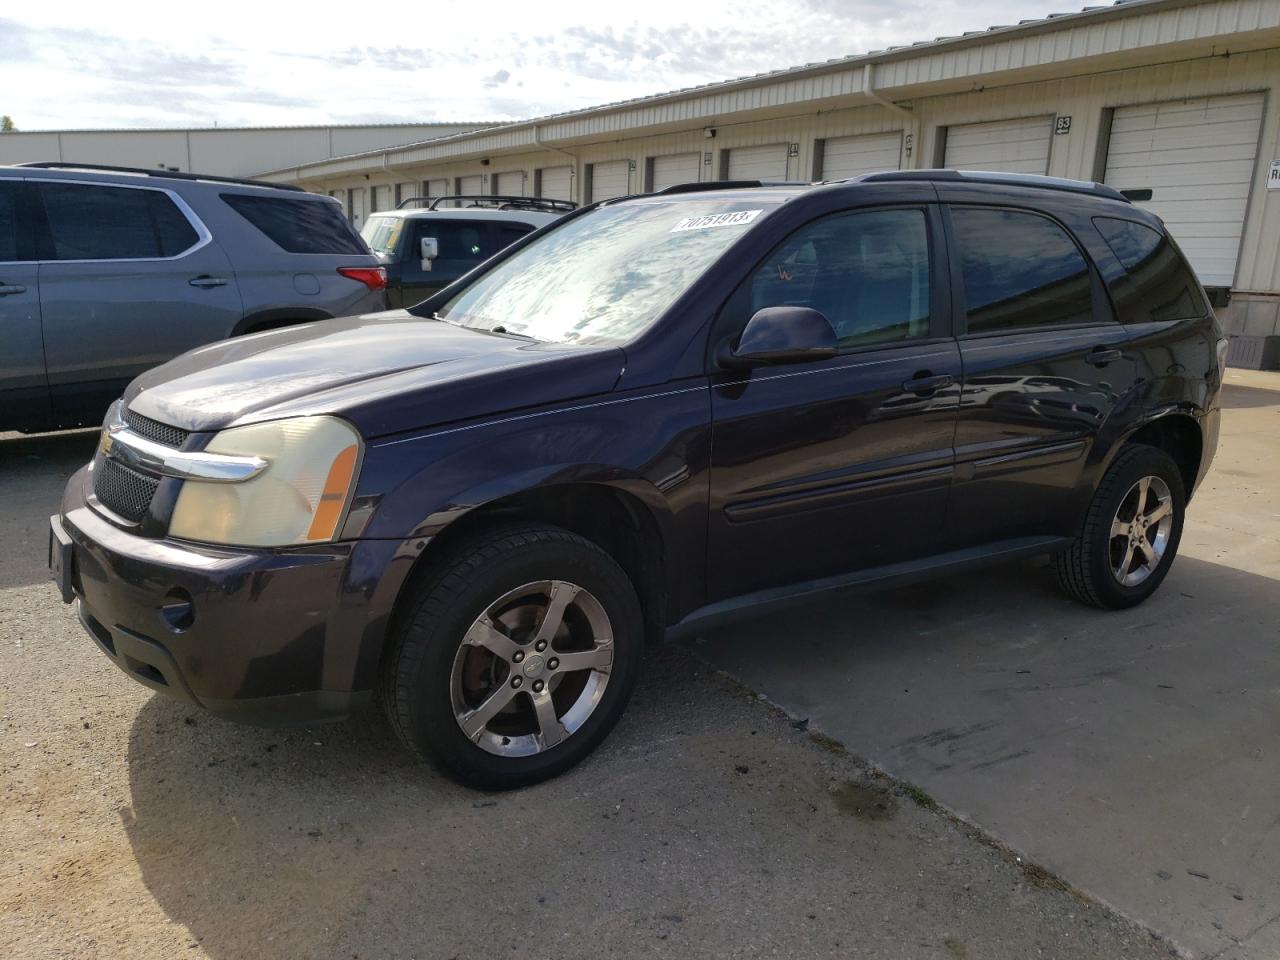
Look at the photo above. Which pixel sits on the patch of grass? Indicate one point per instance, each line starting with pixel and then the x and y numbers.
pixel 919 797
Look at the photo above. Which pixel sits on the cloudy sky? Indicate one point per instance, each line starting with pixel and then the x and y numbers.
pixel 75 64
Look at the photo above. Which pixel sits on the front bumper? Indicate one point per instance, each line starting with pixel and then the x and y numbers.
pixel 265 636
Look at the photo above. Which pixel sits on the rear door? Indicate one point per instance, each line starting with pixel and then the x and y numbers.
pixel 129 277
pixel 823 468
pixel 1045 363
pixel 24 390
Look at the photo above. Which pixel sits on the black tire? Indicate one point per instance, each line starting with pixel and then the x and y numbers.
pixel 1085 569
pixel 441 607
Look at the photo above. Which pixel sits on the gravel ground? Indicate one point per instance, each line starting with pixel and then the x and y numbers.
pixel 709 825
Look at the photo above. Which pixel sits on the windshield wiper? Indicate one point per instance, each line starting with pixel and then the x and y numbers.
pixel 500 329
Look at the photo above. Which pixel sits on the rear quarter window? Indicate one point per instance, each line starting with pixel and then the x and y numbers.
pixel 1158 283
pixel 299 226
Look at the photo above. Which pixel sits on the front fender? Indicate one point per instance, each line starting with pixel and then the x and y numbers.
pixel 653 445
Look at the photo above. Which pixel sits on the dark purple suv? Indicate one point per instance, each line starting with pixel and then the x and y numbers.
pixel 655 414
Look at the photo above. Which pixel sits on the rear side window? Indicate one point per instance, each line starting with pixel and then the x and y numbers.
pixel 299 226
pixel 1158 283
pixel 1019 270
pixel 463 243
pixel 88 222
pixel 9 219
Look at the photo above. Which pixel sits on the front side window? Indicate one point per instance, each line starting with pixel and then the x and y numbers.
pixel 606 275
pixel 1158 283
pixel 89 222
pixel 1019 270
pixel 866 272
pixel 298 226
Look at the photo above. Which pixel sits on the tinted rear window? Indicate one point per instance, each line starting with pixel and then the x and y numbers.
pixel 1020 270
pixel 114 223
pixel 1158 283
pixel 299 226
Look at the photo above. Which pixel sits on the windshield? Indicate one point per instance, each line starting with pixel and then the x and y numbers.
pixel 382 233
pixel 606 276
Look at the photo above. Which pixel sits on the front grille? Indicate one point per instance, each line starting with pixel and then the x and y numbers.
pixel 122 490
pixel 155 430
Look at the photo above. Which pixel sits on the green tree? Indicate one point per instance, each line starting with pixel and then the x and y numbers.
pixel 6 124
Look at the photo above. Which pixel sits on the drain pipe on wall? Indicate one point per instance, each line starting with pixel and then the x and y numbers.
pixel 573 189
pixel 911 131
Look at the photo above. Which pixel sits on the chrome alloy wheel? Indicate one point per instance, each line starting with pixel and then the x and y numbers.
pixel 532 668
pixel 1140 531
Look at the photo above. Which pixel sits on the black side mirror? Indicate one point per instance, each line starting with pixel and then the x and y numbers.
pixel 783 335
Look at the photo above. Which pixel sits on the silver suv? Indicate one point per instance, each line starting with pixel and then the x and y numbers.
pixel 108 271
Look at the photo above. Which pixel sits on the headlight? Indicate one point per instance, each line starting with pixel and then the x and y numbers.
pixel 299 498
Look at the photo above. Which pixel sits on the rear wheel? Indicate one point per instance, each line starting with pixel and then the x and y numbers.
pixel 1131 531
pixel 518 655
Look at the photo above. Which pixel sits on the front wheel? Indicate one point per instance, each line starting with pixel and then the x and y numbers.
pixel 1130 534
pixel 518 654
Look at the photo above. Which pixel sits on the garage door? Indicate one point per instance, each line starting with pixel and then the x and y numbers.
pixel 854 156
pixel 406 190
pixel 556 183
pixel 610 180
pixel 471 186
pixel 510 184
pixel 1010 146
pixel 435 188
pixel 357 210
pixel 758 163
pixel 678 168
pixel 1197 157
pixel 382 199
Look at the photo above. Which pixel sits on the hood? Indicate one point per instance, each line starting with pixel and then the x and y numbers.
pixel 385 372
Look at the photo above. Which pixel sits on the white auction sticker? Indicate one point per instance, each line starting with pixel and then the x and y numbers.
pixel 735 219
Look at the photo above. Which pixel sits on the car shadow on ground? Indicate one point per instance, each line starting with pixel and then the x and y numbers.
pixel 33 472
pixel 1132 752
pixel 1238 396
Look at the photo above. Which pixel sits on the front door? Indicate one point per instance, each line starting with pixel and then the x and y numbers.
pixel 823 468
pixel 127 281
pixel 1045 363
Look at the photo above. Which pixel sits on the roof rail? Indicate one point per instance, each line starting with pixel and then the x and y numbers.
pixel 495 200
pixel 696 186
pixel 1006 179
pixel 163 174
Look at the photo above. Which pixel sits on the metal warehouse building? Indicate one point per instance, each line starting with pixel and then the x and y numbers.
pixel 222 151
pixel 1178 97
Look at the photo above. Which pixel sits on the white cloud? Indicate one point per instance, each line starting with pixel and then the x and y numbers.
pixel 132 64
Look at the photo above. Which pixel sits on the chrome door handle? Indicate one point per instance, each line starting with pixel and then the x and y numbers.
pixel 208 282
pixel 924 383
pixel 8 288
pixel 1101 356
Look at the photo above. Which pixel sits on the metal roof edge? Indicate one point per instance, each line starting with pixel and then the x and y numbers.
pixel 1050 23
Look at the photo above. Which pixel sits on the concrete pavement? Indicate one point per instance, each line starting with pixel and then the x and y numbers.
pixel 1137 754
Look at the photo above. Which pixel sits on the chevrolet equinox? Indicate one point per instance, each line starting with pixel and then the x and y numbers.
pixel 655 414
